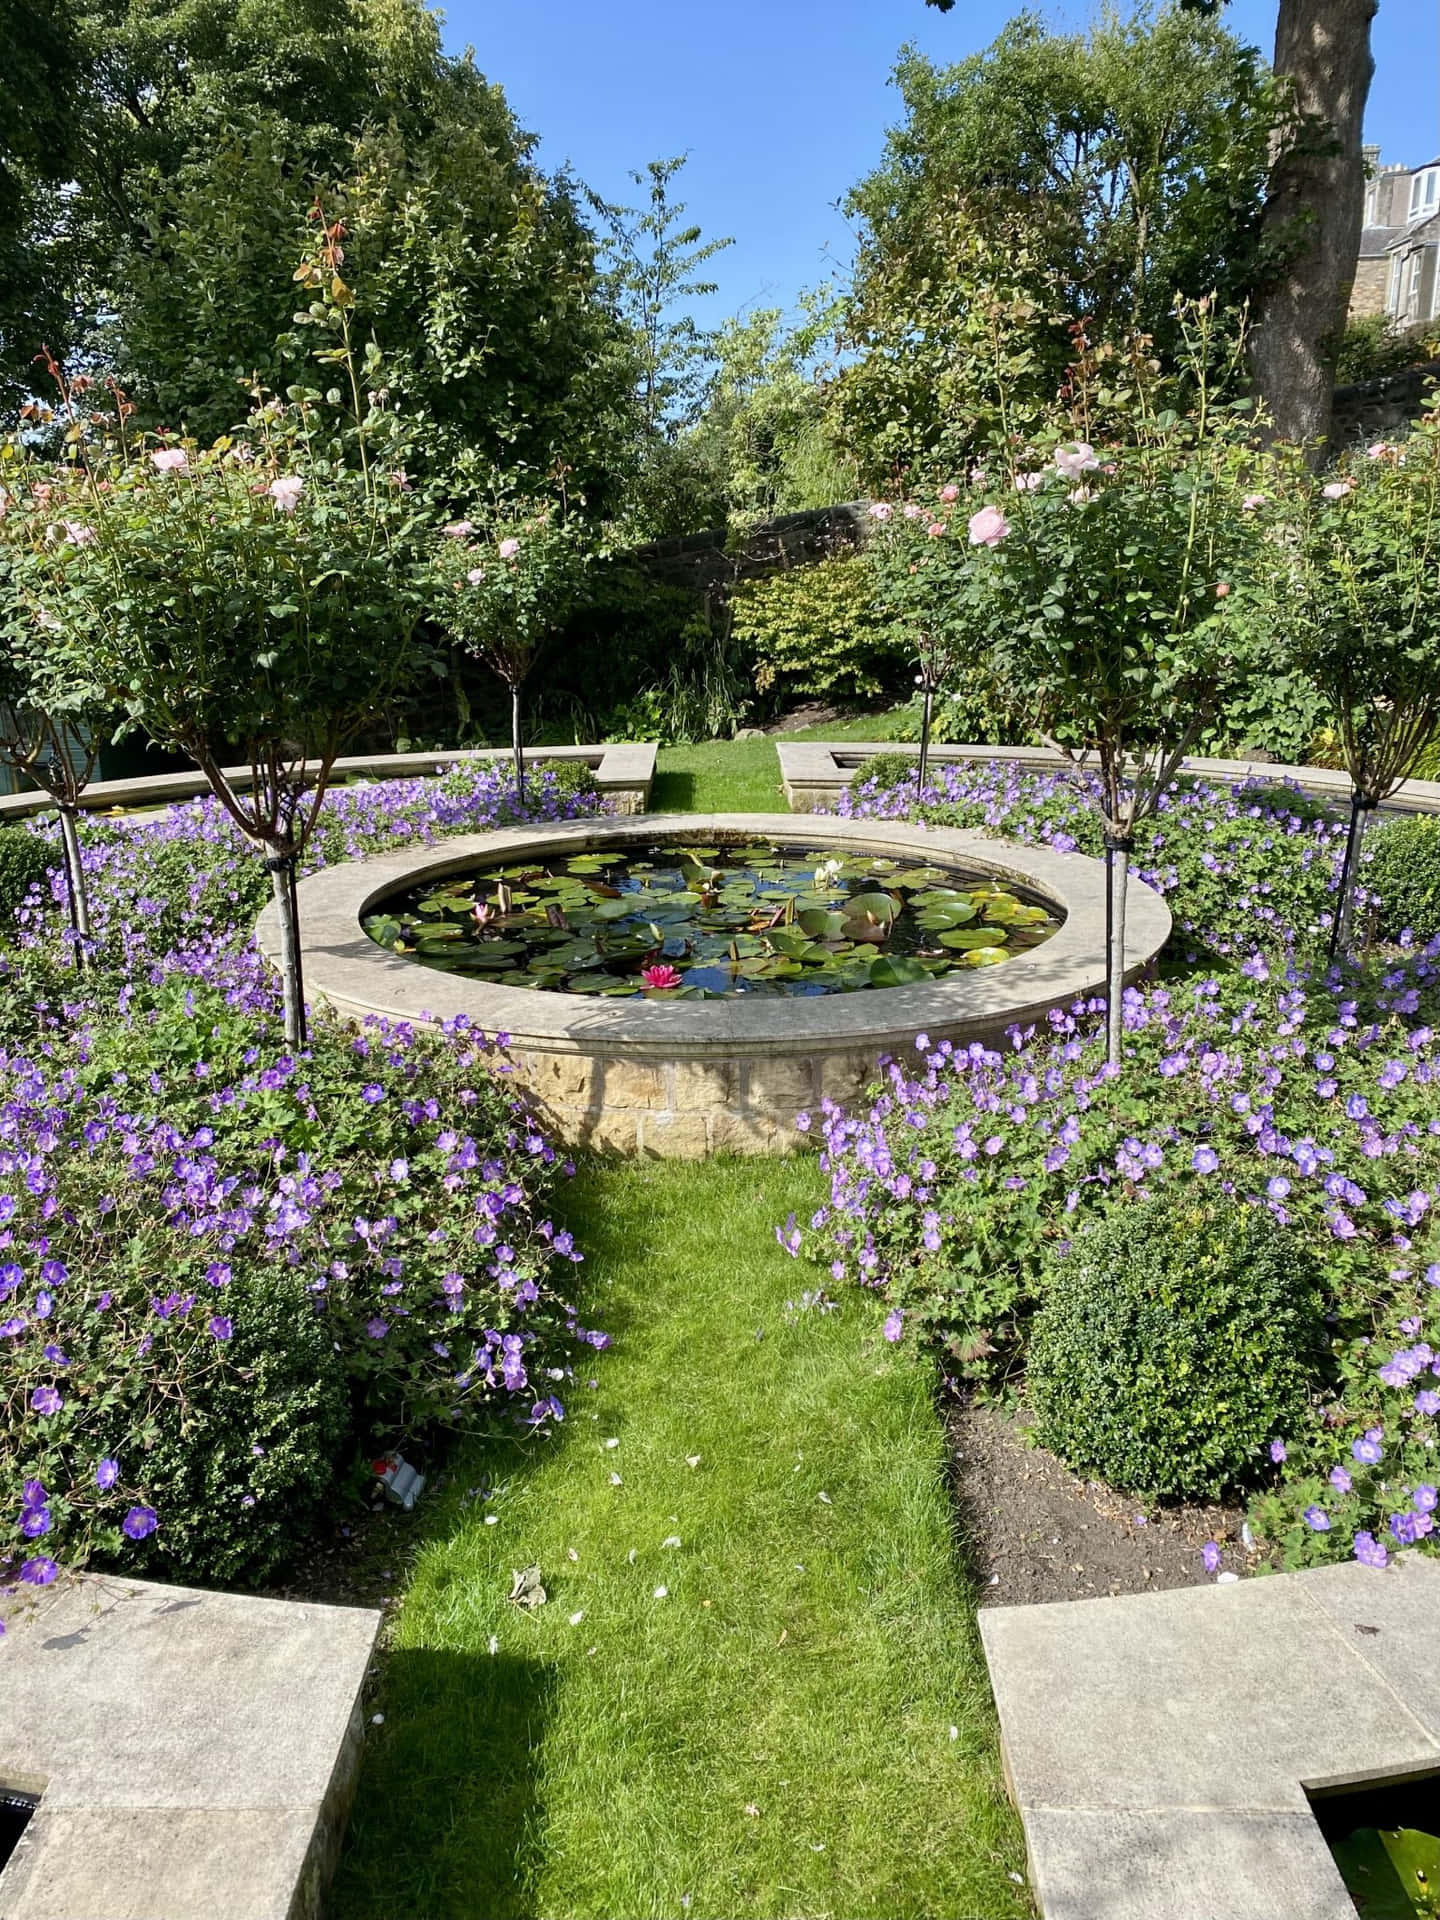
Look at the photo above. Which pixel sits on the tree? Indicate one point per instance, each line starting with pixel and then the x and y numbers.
pixel 503 590
pixel 260 596
pixel 1094 176
pixel 1313 214
pixel 1110 569
pixel 206 132
pixel 650 276
pixel 1313 210
pixel 1358 550
pixel 39 82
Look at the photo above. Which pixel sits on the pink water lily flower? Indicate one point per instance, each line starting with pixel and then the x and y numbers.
pixel 660 978
pixel 988 527
pixel 170 460
pixel 508 548
pixel 1079 457
pixel 286 491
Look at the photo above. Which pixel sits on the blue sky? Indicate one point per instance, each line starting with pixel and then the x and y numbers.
pixel 783 104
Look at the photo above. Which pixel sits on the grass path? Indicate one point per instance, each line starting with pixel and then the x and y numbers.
pixel 801 1724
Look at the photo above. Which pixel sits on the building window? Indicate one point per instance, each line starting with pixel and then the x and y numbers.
pixel 1424 191
pixel 1412 284
pixel 1392 286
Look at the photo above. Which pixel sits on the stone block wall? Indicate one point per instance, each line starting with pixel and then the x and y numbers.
pixel 684 1109
pixel 711 563
pixel 1374 407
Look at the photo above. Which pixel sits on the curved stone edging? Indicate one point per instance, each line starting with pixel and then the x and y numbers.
pixel 688 1078
pixel 816 772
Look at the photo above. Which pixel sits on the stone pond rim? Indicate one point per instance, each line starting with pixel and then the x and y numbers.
pixel 695 1077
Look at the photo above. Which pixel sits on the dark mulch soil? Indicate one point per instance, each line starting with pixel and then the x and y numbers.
pixel 1036 1531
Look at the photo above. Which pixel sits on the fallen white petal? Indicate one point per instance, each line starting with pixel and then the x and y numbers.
pixel 576 1618
pixel 662 1593
pixel 671 1540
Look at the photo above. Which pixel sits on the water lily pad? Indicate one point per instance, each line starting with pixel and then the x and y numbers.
pixel 984 957
pixel 973 938
pixel 897 970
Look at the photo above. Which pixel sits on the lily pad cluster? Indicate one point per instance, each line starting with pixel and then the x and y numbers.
pixel 710 922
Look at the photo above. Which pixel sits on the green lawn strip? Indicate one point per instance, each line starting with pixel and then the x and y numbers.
pixel 718 776
pixel 609 1768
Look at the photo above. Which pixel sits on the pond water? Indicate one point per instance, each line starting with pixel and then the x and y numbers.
pixel 691 922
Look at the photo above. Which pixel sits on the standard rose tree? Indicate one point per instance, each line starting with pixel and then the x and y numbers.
pixel 255 600
pixel 1107 575
pixel 502 588
pixel 1360 548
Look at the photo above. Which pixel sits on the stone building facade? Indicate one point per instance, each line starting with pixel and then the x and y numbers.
pixel 1396 272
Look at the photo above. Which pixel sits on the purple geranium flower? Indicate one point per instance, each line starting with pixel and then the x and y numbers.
pixel 139 1523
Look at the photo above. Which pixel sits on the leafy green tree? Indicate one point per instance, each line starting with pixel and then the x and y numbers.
pixel 207 132
pixel 1094 176
pixel 502 589
pixel 652 261
pixel 259 597
pixel 1110 568
pixel 764 431
pixel 39 82
pixel 1357 551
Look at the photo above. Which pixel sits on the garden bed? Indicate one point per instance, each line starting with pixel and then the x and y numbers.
pixel 1035 1531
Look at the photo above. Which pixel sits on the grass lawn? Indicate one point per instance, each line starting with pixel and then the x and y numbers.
pixel 801 1723
pixel 743 776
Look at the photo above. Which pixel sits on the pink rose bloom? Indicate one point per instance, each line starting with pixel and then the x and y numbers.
pixel 1028 482
pixel 170 460
pixel 952 492
pixel 285 492
pixel 458 529
pixel 1077 496
pixel 475 576
pixel 1379 450
pixel 75 531
pixel 881 510
pixel 661 978
pixel 1337 489
pixel 1253 500
pixel 402 480
pixel 936 529
pixel 508 548
pixel 1076 459
pixel 911 511
pixel 988 527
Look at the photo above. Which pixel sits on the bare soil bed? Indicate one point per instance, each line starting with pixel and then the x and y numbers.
pixel 1035 1531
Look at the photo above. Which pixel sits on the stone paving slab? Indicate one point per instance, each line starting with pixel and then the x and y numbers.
pixel 194 1752
pixel 624 774
pixel 816 772
pixel 1088 1865
pixel 1184 1727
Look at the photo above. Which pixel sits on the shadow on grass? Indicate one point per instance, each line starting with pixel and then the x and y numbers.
pixel 673 792
pixel 448 1822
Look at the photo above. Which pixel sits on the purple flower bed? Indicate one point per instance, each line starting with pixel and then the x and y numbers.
pixel 1314 1095
pixel 227 1273
pixel 1244 866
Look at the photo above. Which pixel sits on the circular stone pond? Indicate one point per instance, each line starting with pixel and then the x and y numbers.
pixel 726 1058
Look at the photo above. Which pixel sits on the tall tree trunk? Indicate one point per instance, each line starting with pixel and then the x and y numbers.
pixel 1313 214
pixel 75 888
pixel 516 748
pixel 287 912
pixel 1115 1003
